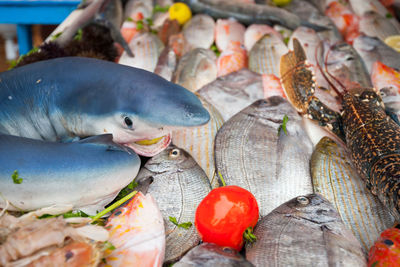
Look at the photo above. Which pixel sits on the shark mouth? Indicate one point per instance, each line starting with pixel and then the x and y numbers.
pixel 150 147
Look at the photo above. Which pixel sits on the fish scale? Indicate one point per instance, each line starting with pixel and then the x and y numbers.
pixel 265 55
pixel 336 179
pixel 249 153
pixel 178 184
pixel 199 141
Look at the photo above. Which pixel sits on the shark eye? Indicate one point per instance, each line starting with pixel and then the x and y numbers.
pixel 174 153
pixel 128 122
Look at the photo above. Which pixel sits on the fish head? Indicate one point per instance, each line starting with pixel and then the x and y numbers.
pixel 312 207
pixel 366 43
pixel 138 107
pixel 172 159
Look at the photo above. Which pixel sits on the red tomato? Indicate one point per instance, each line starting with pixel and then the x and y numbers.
pixel 224 214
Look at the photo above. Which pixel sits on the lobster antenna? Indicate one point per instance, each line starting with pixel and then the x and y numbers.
pixel 330 74
pixel 323 73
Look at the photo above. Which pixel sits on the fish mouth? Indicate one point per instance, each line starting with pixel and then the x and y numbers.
pixel 150 147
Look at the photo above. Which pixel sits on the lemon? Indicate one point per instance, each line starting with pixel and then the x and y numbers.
pixel 394 42
pixel 181 12
pixel 281 2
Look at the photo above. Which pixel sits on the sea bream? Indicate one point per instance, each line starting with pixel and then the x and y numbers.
pixel 257 150
pixel 178 184
pixel 209 254
pixel 304 231
pixel 199 31
pixel 335 179
pixel 233 92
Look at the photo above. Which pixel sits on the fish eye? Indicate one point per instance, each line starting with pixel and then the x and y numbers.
pixel 388 242
pixel 303 200
pixel 128 122
pixel 174 153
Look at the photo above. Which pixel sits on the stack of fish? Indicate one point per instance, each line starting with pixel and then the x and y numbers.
pixel 237 99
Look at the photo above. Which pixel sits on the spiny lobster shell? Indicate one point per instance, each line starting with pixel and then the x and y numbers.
pixel 374 141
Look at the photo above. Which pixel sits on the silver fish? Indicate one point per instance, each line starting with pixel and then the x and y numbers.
pixel 147 48
pixel 376 25
pixel 247 13
pixel 196 68
pixel 372 49
pixel 199 31
pixel 233 92
pixel 308 12
pixel 344 66
pixel 335 178
pixel 264 57
pixel 134 7
pixel 252 153
pixel 166 64
pixel 305 231
pixel 178 184
pixel 208 254
pixel 199 141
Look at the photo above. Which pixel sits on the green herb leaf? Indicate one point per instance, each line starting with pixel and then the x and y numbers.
pixel 69 214
pixel 215 49
pixel 104 260
pixel 129 19
pixel 286 40
pixel 283 125
pixel 139 24
pixel 109 245
pixel 375 264
pixel 161 9
pixel 149 21
pixel 185 225
pixel 78 35
pixel 16 178
pixel 55 36
pixel 389 16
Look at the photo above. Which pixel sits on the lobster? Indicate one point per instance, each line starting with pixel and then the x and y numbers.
pixel 371 136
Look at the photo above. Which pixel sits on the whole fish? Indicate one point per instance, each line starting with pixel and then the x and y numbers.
pixel 305 231
pixel 247 13
pixel 147 48
pixel 196 68
pixel 233 92
pixel 345 20
pixel 372 49
pixel 387 81
pixel 208 254
pixel 199 141
pixel 232 59
pixel 178 184
pixel 228 31
pixel 138 9
pixel 254 152
pixel 166 64
pixel 272 86
pixel 335 179
pixel 361 7
pixel 265 55
pixel 199 31
pixel 385 251
pixel 137 233
pixel 255 32
pixel 344 67
pixel 54 173
pixel 376 25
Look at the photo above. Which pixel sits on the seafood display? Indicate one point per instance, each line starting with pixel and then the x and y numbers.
pixel 335 179
pixel 310 222
pixel 178 184
pixel 205 133
pixel 251 152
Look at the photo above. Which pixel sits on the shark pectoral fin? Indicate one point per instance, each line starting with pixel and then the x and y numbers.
pixel 70 139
